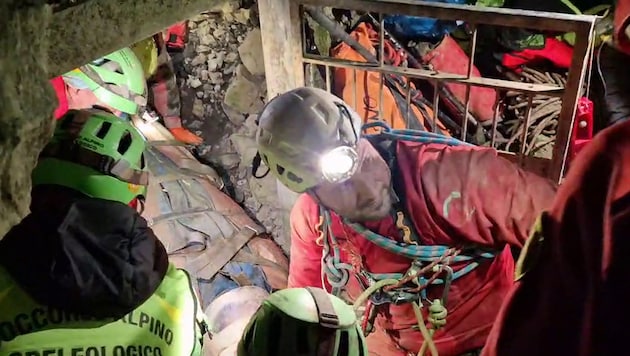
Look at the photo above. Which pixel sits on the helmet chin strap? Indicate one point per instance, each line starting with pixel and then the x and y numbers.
pixel 328 320
pixel 140 204
pixel 256 165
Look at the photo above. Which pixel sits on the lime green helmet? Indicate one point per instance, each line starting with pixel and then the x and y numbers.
pixel 116 79
pixel 297 130
pixel 303 322
pixel 97 154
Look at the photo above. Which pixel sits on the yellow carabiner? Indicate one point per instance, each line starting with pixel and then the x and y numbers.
pixel 404 229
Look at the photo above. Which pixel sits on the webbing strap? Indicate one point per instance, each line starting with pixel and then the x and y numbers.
pixel 107 165
pixel 219 252
pixel 328 320
pixel 176 215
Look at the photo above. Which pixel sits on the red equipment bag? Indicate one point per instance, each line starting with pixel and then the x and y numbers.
pixel 177 36
pixel 583 127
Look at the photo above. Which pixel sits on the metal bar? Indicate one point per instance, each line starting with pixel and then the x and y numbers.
pixel 495 121
pixel 549 90
pixel 471 65
pixel 328 83
pixel 589 69
pixel 528 115
pixel 336 31
pixel 572 94
pixel 479 15
pixel 381 64
pixel 436 103
pixel 354 89
pixel 381 43
pixel 408 101
pixel 380 94
pixel 466 109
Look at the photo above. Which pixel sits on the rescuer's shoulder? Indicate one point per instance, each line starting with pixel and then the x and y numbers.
pixel 305 205
pixel 304 215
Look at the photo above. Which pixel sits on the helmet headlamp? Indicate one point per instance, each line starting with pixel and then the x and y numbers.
pixel 339 164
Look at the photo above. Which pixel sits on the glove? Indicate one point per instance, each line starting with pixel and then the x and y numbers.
pixel 183 135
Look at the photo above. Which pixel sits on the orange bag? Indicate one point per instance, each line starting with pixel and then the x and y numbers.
pixel 364 97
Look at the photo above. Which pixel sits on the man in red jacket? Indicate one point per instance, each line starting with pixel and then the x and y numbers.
pixel 381 208
pixel 571 295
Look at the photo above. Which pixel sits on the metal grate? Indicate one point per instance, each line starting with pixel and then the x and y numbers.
pixel 526 94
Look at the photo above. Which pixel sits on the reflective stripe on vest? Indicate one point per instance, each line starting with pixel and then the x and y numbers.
pixel 165 325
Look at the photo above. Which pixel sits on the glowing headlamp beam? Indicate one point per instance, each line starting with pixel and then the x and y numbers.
pixel 339 164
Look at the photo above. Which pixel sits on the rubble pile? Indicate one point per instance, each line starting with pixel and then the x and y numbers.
pixel 223 87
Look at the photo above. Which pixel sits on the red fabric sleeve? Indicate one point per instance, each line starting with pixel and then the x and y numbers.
pixel 164 96
pixel 573 298
pixel 463 195
pixel 305 262
pixel 60 89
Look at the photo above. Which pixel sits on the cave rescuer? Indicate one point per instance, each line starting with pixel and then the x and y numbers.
pixel 571 292
pixel 419 221
pixel 90 277
pixel 114 82
pixel 303 321
pixel 164 94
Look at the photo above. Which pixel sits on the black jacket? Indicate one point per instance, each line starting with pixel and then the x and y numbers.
pixel 89 256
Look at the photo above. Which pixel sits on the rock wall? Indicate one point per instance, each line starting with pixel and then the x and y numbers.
pixel 27 103
pixel 37 44
pixel 223 87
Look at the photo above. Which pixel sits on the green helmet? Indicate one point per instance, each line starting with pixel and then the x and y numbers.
pixel 117 80
pixel 97 154
pixel 301 322
pixel 298 128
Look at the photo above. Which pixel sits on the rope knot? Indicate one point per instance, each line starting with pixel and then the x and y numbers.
pixel 437 314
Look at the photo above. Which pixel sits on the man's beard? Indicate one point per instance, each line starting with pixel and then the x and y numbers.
pixel 373 212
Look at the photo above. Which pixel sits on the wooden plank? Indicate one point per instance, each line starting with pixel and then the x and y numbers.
pixel 280 25
pixel 577 73
pixel 218 253
pixel 545 89
pixel 81 33
pixel 477 15
pixel 282 45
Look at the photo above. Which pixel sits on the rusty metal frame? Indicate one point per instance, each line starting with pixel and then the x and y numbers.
pixel 582 25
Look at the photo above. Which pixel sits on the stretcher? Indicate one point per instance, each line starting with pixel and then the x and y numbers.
pixel 204 231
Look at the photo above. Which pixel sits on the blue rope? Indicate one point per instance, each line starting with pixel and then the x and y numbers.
pixel 421 253
pixel 411 135
pixel 411 251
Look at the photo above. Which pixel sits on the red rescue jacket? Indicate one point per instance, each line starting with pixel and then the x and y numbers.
pixel 455 196
pixel 573 296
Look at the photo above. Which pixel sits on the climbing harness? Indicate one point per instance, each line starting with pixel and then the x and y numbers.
pixel 336 273
pixel 431 265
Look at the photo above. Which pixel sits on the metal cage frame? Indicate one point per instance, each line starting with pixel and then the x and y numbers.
pixel 581 25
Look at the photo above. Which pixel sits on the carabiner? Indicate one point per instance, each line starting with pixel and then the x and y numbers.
pixel 447 282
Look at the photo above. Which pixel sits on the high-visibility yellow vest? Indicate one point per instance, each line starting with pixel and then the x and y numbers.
pixel 169 323
pixel 147 52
